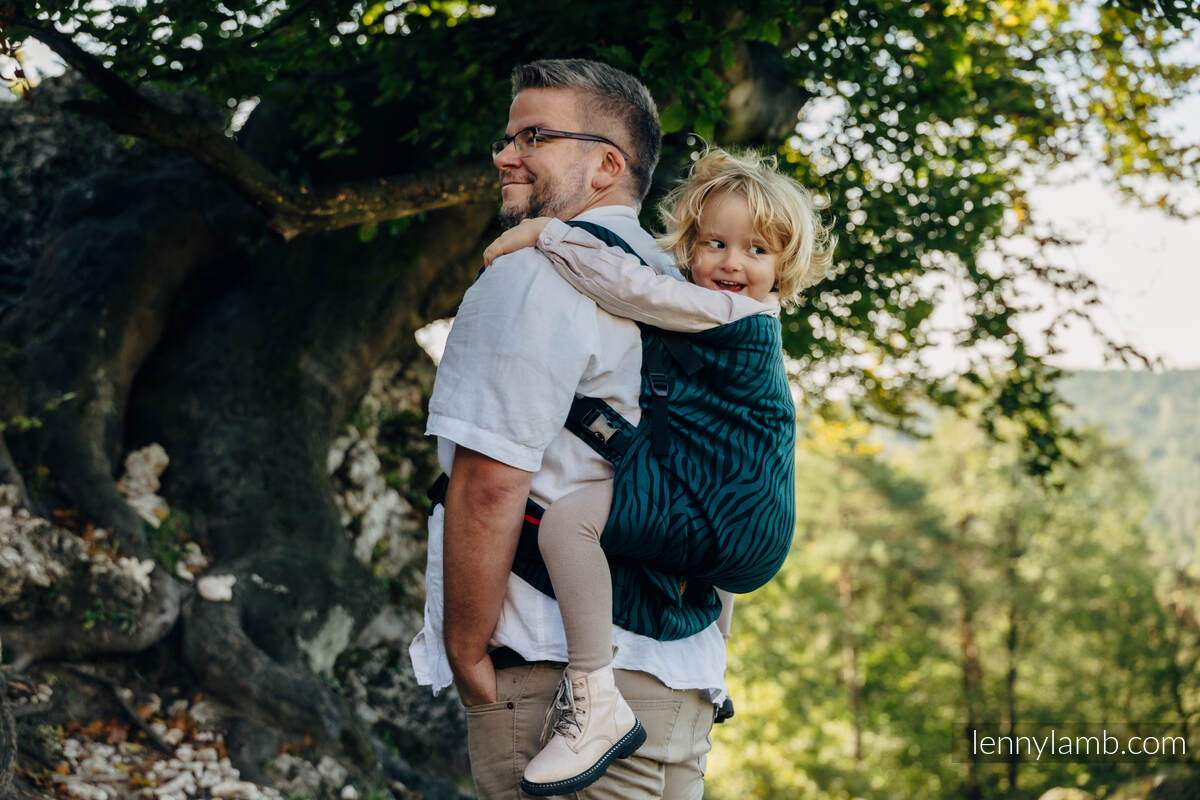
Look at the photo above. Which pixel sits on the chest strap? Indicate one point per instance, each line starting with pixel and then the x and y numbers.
pixel 600 427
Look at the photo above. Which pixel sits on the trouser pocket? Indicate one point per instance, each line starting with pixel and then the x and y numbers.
pixel 491 737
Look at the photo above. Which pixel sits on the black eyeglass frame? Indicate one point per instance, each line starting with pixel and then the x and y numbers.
pixel 549 133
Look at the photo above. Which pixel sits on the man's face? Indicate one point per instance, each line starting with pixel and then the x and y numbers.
pixel 554 179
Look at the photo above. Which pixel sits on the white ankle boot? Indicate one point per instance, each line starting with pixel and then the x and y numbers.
pixel 592 727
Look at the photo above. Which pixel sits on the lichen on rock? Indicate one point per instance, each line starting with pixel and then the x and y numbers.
pixel 47 570
pixel 378 466
pixel 34 553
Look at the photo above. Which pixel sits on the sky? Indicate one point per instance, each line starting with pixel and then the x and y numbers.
pixel 1147 263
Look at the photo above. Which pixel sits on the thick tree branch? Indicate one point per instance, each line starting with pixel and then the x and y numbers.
pixel 385 199
pixel 290 210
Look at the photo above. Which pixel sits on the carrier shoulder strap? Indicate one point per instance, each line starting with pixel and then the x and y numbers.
pixel 589 417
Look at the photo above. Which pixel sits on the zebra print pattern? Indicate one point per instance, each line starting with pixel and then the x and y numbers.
pixel 720 508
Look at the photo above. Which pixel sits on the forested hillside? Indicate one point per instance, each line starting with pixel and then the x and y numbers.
pixel 1157 416
pixel 934 586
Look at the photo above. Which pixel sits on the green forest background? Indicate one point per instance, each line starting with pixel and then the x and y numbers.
pixel 933 582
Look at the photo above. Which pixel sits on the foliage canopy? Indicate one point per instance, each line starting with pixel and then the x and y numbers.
pixel 922 123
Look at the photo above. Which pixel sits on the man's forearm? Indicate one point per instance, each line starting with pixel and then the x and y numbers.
pixel 485 507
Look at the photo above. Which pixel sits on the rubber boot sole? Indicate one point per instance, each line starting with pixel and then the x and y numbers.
pixel 626 746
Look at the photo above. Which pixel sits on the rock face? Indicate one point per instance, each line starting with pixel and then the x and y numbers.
pixel 140 484
pixel 47 570
pixel 380 466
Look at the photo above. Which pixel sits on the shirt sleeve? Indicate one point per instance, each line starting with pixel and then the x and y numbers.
pixel 519 346
pixel 622 285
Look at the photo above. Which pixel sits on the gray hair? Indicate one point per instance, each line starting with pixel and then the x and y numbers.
pixel 618 95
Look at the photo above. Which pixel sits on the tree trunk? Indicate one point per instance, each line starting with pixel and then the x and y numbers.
pixel 1010 641
pixel 972 670
pixel 845 588
pixel 162 311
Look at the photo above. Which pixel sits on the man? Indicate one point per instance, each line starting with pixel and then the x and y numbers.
pixel 582 141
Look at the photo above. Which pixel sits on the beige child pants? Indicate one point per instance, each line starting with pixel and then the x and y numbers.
pixel 569 540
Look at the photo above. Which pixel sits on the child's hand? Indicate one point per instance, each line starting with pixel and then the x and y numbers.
pixel 524 235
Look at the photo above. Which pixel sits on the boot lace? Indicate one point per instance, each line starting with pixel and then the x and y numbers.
pixel 563 714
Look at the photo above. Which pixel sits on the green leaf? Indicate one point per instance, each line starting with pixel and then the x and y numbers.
pixel 673 118
pixel 767 31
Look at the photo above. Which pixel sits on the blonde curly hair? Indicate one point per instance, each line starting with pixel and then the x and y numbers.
pixel 784 213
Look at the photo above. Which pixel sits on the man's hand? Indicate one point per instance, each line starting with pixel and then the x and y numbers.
pixel 485 508
pixel 524 235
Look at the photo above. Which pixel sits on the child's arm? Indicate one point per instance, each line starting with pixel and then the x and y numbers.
pixel 622 285
pixel 516 238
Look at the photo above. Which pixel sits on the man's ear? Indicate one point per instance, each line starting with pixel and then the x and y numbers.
pixel 610 170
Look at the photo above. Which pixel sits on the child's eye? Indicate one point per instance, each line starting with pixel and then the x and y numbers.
pixel 714 243
pixel 758 251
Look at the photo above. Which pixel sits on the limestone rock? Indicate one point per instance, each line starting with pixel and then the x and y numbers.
pixel 34 553
pixel 370 464
pixel 38 558
pixel 1067 794
pixel 295 776
pixel 216 588
pixel 140 483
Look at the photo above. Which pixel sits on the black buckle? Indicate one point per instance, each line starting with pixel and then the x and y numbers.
pixel 658 384
pixel 437 492
pixel 599 426
pixel 724 712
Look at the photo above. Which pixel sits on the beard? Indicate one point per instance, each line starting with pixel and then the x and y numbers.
pixel 559 196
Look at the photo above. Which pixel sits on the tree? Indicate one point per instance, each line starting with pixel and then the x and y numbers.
pixel 229 293
pixel 971 596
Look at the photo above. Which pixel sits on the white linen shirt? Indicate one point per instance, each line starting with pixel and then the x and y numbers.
pixel 523 344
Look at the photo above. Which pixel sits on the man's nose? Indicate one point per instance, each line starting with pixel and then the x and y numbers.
pixel 507 157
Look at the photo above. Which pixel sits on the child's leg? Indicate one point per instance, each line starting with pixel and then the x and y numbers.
pixel 726 618
pixel 569 538
pixel 592 723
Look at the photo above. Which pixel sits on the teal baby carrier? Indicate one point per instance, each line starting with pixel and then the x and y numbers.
pixel 703 491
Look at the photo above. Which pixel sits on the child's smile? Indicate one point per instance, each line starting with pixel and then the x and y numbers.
pixel 730 255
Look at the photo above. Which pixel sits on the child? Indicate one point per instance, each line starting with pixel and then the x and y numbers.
pixel 748 238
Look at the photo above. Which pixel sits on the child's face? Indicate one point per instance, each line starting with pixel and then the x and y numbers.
pixel 730 255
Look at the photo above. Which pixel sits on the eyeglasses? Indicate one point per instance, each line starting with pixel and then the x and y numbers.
pixel 533 138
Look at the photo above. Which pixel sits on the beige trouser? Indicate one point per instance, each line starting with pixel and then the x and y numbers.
pixel 503 736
